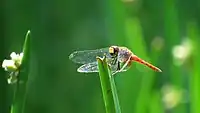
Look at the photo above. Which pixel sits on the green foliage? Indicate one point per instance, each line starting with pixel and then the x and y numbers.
pixel 20 89
pixel 152 29
pixel 195 77
pixel 109 90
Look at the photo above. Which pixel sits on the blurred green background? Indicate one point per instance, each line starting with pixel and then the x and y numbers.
pixel 163 32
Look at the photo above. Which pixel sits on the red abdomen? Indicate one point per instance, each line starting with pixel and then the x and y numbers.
pixel 137 59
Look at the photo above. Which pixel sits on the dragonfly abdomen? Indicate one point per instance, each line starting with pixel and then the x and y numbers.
pixel 137 59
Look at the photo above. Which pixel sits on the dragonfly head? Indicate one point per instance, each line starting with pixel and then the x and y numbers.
pixel 114 50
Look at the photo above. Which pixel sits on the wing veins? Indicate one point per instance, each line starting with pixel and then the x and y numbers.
pixel 88 56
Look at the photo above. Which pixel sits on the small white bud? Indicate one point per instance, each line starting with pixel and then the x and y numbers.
pixel 17 58
pixel 13 56
pixel 9 65
pixel 12 79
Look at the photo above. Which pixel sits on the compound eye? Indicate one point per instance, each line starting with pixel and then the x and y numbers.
pixel 113 51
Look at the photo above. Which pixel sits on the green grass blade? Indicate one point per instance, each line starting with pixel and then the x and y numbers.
pixel 137 44
pixel 155 104
pixel 108 87
pixel 115 95
pixel 193 33
pixel 20 91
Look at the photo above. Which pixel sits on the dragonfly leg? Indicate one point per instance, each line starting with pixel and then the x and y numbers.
pixel 114 61
pixel 115 72
pixel 125 65
pixel 118 66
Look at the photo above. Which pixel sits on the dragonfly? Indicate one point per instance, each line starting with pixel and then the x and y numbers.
pixel 118 58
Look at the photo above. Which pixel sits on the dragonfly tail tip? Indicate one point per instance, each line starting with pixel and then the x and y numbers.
pixel 159 70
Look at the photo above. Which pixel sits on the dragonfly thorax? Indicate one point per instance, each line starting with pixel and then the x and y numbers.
pixel 124 54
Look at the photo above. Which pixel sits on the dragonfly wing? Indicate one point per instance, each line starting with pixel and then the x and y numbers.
pixel 88 56
pixel 93 67
pixel 88 68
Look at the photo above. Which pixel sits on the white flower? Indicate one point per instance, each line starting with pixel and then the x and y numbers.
pixel 9 65
pixel 17 58
pixel 14 56
pixel 182 52
pixel 12 66
pixel 172 96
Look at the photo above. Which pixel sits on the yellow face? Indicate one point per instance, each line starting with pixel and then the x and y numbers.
pixel 111 50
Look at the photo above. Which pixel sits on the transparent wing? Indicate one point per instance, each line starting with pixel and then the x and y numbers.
pixel 88 68
pixel 88 56
pixel 93 67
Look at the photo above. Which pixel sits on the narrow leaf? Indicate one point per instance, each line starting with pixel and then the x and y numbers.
pixel 20 91
pixel 108 87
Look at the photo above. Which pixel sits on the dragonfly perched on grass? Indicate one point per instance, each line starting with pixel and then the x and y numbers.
pixel 118 58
